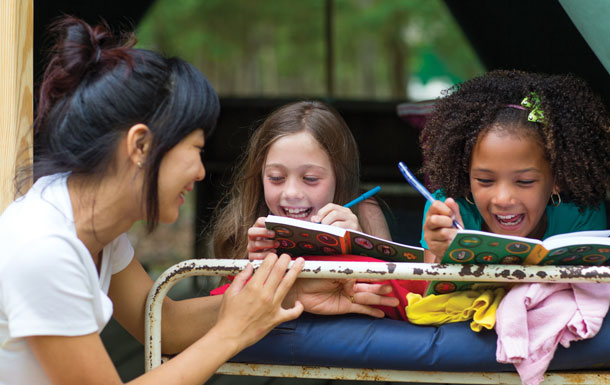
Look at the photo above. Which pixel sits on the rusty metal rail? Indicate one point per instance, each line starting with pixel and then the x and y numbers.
pixel 381 271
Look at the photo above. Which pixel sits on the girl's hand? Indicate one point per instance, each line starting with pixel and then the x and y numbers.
pixel 438 227
pixel 336 215
pixel 331 296
pixel 250 309
pixel 260 240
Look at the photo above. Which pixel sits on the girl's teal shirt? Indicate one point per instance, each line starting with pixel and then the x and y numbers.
pixel 561 219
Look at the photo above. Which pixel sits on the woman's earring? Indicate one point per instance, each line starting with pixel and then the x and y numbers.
pixel 140 164
pixel 468 200
pixel 558 202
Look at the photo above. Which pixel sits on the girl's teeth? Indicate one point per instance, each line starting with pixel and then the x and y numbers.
pixel 510 219
pixel 296 213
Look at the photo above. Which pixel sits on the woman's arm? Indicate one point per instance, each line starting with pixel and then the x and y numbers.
pixel 183 321
pixel 83 360
pixel 188 320
pixel 248 311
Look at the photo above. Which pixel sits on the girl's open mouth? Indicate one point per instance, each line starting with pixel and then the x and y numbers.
pixel 509 220
pixel 297 213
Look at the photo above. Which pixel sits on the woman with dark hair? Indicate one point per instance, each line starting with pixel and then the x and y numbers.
pixel 120 132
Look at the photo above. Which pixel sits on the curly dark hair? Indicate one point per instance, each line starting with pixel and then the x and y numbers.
pixel 575 134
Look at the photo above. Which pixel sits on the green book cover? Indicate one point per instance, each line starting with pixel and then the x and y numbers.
pixel 479 247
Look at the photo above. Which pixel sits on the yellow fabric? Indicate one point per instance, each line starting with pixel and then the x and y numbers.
pixel 478 305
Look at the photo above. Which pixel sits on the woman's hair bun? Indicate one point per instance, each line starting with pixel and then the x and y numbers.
pixel 79 50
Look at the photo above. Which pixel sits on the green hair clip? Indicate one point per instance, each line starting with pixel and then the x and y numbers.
pixel 532 102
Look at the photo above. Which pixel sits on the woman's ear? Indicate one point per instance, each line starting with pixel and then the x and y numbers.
pixel 138 143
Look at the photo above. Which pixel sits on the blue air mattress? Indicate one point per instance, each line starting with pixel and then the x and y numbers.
pixel 355 341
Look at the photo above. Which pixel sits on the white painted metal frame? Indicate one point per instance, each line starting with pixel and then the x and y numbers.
pixel 375 270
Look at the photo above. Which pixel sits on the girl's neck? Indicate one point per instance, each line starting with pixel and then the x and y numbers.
pixel 540 229
pixel 102 210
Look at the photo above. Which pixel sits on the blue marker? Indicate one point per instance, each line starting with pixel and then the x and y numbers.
pixel 364 196
pixel 420 187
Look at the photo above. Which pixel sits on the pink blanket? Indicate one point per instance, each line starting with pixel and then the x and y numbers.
pixel 534 318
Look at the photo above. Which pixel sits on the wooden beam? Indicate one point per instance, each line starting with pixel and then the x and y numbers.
pixel 16 92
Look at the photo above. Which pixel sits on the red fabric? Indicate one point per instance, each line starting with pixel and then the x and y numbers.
pixel 400 288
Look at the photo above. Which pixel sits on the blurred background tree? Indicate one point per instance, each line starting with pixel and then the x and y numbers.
pixel 382 49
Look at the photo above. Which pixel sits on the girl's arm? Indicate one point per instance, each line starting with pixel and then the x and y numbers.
pixel 373 220
pixel 438 228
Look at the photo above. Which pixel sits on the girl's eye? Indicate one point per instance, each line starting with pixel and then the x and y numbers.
pixel 311 179
pixel 526 182
pixel 275 179
pixel 484 181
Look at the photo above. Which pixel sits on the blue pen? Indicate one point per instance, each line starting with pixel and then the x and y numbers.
pixel 420 187
pixel 364 196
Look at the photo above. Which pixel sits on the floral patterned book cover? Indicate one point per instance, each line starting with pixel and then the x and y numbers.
pixel 299 238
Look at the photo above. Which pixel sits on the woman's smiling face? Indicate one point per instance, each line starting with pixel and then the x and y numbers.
pixel 298 178
pixel 511 182
pixel 180 168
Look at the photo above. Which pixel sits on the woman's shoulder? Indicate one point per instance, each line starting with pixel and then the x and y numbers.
pixel 47 200
pixel 33 258
pixel 41 219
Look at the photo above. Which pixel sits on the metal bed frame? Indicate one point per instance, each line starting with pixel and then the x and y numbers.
pixel 379 271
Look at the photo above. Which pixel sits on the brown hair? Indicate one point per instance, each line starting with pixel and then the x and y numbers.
pixel 245 199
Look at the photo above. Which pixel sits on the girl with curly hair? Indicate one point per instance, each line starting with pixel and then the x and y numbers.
pixel 516 153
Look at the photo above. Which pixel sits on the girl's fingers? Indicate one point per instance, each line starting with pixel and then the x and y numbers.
pixel 327 213
pixel 455 208
pixel 291 313
pixel 261 255
pixel 375 288
pixel 369 299
pixel 336 215
pixel 260 222
pixel 260 232
pixel 367 310
pixel 261 245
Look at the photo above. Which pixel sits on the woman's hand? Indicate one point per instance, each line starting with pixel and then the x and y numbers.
pixel 260 240
pixel 332 296
pixel 438 227
pixel 337 215
pixel 250 309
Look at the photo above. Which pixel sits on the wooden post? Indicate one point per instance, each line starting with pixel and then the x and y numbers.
pixel 16 92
